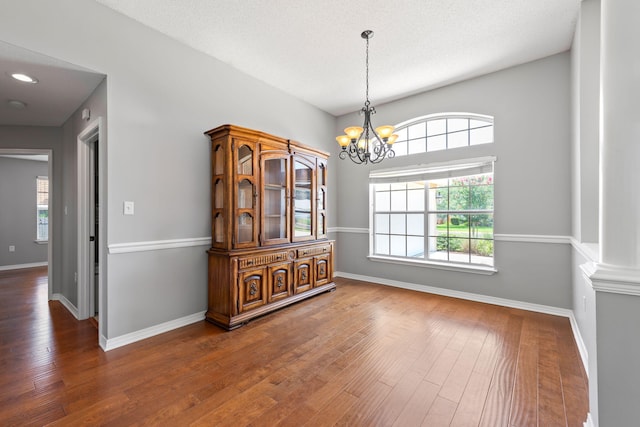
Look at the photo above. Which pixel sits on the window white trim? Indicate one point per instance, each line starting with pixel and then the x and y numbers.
pixel 429 171
pixel 451 266
pixel 443 131
pixel 449 115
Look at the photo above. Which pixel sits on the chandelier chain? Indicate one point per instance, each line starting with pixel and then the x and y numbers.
pixel 367 74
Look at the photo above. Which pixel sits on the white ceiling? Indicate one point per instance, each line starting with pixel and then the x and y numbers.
pixel 312 48
pixel 61 89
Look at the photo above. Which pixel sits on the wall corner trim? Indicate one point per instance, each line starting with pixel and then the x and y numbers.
pixel 67 304
pixel 589 422
pixel 356 230
pixel 102 341
pixel 122 340
pixel 121 248
pixel 612 278
pixel 589 251
pixel 523 238
pixel 532 238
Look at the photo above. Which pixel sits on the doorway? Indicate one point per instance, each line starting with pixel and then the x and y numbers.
pixel 44 155
pixel 90 225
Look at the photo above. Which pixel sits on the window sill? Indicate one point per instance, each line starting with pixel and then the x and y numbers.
pixel 474 269
pixel 41 242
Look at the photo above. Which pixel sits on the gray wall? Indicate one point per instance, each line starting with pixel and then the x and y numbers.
pixel 97 103
pixel 156 152
pixel 18 211
pixel 531 107
pixel 618 380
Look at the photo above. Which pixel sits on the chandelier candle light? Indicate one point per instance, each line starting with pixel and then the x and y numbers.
pixel 364 144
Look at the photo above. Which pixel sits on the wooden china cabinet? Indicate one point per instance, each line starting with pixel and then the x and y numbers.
pixel 269 227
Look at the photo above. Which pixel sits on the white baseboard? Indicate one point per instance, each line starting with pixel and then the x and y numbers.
pixel 67 304
pixel 19 266
pixel 589 422
pixel 539 308
pixel 111 343
pixel 102 341
pixel 582 348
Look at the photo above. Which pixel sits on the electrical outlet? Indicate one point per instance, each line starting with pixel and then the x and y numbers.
pixel 12 248
pixel 75 277
pixel 584 302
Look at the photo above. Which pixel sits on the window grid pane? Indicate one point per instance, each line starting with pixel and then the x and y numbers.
pixel 42 208
pixel 445 220
pixel 441 133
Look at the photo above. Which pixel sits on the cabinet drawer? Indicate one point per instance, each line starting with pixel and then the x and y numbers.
pixel 314 250
pixel 256 261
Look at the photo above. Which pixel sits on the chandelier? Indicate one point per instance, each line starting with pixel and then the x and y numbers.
pixel 366 144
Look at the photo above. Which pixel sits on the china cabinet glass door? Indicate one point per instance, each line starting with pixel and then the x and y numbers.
pixel 321 198
pixel 245 195
pixel 275 199
pixel 303 202
pixel 218 202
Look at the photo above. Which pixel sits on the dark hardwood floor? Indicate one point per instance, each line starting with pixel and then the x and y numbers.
pixel 361 356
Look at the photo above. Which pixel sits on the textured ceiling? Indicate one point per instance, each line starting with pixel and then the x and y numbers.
pixel 312 48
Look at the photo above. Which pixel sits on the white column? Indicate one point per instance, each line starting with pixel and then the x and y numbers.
pixel 616 278
pixel 620 135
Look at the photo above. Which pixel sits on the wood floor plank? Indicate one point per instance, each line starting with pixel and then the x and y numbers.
pixel 469 410
pixel 333 410
pixel 456 383
pixel 500 395
pixel 440 413
pixel 395 401
pixel 365 406
pixel 365 354
pixel 551 409
pixel 417 406
pixel 524 401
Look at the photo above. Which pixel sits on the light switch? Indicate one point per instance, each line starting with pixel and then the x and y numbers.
pixel 12 248
pixel 128 208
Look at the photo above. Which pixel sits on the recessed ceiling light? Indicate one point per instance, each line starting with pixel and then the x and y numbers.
pixel 16 105
pixel 24 78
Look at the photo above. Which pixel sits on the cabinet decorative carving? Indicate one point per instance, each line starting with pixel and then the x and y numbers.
pixel 269 244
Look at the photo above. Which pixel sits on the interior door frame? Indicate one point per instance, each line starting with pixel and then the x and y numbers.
pixel 86 305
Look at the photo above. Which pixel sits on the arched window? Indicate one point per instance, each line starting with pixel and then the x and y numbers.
pixel 442 131
pixel 436 214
